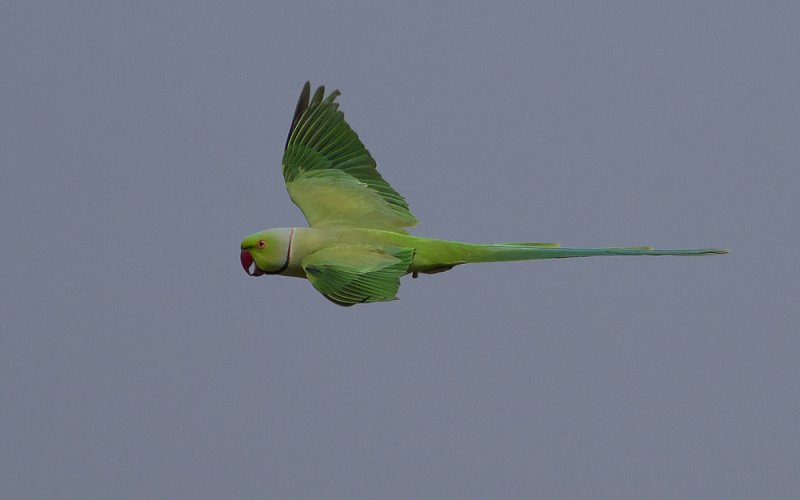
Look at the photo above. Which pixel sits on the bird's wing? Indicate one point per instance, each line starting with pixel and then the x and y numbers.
pixel 348 275
pixel 331 176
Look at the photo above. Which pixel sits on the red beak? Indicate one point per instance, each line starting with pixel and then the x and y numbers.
pixel 247 262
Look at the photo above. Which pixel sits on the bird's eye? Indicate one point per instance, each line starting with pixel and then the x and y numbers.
pixel 262 243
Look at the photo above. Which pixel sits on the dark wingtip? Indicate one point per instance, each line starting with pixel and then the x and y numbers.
pixel 306 101
pixel 302 105
pixel 333 95
pixel 318 95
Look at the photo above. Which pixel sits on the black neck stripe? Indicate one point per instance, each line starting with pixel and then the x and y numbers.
pixel 288 256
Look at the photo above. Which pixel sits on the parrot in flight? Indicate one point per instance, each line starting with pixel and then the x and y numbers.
pixel 356 247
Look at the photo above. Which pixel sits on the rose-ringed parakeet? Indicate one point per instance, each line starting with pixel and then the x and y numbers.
pixel 356 248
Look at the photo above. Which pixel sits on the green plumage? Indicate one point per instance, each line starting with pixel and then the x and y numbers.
pixel 349 274
pixel 331 175
pixel 356 248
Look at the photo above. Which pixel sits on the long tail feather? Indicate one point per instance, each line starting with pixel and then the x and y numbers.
pixel 528 251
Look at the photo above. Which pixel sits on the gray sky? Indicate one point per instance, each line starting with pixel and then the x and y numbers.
pixel 141 141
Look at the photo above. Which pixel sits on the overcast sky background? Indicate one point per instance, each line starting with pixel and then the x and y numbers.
pixel 141 141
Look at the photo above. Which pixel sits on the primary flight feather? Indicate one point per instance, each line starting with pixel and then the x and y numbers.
pixel 356 248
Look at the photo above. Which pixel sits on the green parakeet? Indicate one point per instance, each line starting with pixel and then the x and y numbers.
pixel 356 248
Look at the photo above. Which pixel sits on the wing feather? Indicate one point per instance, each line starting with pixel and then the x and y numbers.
pixel 320 140
pixel 350 275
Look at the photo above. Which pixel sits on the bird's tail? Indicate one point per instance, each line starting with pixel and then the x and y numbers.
pixel 530 251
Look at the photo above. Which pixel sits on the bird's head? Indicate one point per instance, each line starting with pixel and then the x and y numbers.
pixel 266 252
